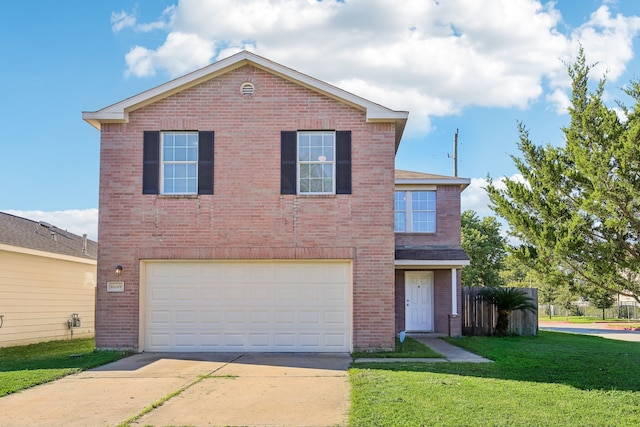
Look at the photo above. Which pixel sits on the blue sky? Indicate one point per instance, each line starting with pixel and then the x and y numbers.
pixel 478 66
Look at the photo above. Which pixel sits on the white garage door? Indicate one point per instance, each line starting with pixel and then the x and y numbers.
pixel 299 306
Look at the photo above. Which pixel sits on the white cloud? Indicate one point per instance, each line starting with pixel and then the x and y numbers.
pixel 77 221
pixel 475 197
pixel 559 101
pixel 432 58
pixel 121 20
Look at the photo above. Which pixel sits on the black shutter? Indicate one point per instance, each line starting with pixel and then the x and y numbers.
pixel 288 168
pixel 151 162
pixel 343 162
pixel 205 162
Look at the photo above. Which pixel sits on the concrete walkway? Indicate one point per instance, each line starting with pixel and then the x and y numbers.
pixel 450 353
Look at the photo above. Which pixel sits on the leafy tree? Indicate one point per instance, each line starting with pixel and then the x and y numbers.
pixel 482 241
pixel 516 273
pixel 601 299
pixel 506 300
pixel 577 212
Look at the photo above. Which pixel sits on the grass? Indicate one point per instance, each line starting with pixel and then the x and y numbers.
pixel 552 379
pixel 411 348
pixel 585 319
pixel 22 367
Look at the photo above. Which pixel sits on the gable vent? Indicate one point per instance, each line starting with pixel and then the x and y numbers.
pixel 247 88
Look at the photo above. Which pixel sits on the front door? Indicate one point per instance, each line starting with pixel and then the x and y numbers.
pixel 418 291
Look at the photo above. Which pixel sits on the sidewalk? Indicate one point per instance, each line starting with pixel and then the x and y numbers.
pixel 450 353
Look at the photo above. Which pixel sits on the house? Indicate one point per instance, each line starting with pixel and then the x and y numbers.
pixel 47 282
pixel 249 207
pixel 428 255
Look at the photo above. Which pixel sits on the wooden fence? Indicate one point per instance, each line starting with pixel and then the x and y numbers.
pixel 479 317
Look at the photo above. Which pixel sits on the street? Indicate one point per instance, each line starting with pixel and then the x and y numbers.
pixel 596 329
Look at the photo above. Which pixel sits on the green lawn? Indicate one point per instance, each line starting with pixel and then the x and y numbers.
pixel 410 348
pixel 553 379
pixel 25 366
pixel 585 319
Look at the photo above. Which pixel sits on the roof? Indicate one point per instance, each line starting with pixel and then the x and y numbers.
pixel 410 177
pixel 41 236
pixel 119 112
pixel 431 256
pixel 434 253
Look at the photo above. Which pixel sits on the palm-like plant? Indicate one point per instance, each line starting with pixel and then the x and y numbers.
pixel 506 300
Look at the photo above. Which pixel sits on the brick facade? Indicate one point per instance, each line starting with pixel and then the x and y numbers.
pixel 447 221
pixel 447 234
pixel 247 217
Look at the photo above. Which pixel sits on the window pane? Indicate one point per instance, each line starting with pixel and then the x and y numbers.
pixel 401 201
pixel 315 185
pixel 180 170
pixel 168 171
pixel 180 185
pixel 192 171
pixel 400 224
pixel 304 171
pixel 192 186
pixel 315 153
pixel 304 152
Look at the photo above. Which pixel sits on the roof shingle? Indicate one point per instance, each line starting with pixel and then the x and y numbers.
pixel 41 236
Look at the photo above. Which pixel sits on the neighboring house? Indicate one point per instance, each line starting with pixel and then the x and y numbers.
pixel 46 276
pixel 251 209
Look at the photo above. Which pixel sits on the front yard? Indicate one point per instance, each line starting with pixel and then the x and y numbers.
pixel 553 379
pixel 25 366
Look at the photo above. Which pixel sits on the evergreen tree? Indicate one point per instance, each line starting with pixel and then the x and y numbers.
pixel 578 211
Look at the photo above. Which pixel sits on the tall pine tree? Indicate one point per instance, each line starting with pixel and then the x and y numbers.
pixel 577 212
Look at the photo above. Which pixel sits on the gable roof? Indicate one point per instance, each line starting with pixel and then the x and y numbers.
pixel 41 236
pixel 119 112
pixel 410 177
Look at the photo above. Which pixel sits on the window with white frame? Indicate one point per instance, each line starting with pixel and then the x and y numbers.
pixel 179 163
pixel 316 162
pixel 415 212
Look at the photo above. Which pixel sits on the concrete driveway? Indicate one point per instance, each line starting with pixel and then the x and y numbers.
pixel 200 389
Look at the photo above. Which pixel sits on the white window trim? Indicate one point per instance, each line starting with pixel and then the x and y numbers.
pixel 409 213
pixel 185 162
pixel 333 164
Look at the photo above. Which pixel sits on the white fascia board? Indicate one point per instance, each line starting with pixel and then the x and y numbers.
pixel 424 263
pixel 117 113
pixel 462 182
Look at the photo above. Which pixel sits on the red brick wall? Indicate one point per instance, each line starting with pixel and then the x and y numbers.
pixel 447 221
pixel 443 323
pixel 247 218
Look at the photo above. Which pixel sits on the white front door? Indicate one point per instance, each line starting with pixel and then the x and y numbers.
pixel 418 291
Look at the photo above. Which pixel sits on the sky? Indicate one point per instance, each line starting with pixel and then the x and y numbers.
pixel 476 66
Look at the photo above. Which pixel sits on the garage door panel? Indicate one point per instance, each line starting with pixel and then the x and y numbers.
pixel 248 306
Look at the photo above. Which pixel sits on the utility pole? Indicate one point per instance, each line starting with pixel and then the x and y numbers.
pixel 455 154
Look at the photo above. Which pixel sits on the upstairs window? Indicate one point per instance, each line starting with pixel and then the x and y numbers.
pixel 315 162
pixel 316 166
pixel 179 163
pixel 415 212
